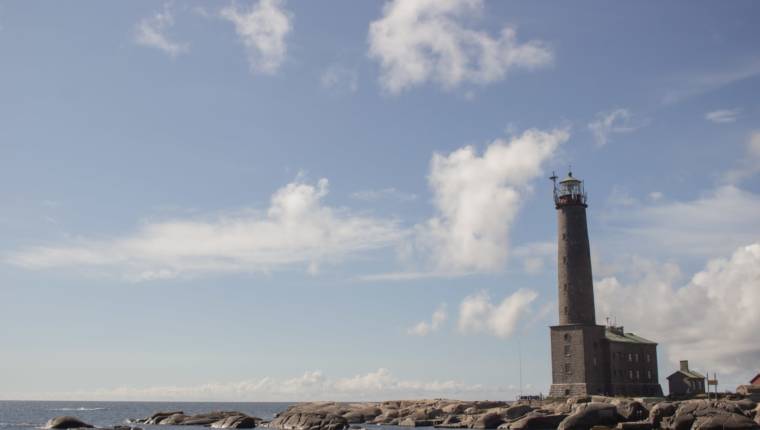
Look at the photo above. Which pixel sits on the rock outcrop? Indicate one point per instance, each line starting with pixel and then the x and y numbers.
pixel 219 419
pixel 66 422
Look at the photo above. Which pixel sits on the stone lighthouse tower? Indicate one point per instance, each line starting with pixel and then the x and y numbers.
pixel 577 342
pixel 588 358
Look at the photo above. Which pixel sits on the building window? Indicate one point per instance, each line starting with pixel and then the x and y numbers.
pixel 564 286
pixel 630 357
pixel 567 368
pixel 638 376
pixel 564 236
pixel 630 375
pixel 564 259
pixel 567 350
pixel 649 375
pixel 567 335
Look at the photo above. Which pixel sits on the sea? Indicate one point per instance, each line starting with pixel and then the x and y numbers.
pixel 27 415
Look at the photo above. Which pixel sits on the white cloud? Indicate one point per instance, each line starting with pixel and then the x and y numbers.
pixel 311 386
pixel 151 31
pixel 712 320
pixel 262 29
pixel 478 315
pixel 656 196
pixel 536 255
pixel 723 116
pixel 420 41
pixel 616 121
pixel 477 198
pixel 297 229
pixel 423 328
pixel 715 223
pixel 338 77
pixel 384 193
pixel 749 165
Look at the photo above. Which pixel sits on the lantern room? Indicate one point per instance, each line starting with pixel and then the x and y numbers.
pixel 569 191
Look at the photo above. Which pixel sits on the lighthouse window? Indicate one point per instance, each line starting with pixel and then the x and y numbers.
pixel 567 350
pixel 630 357
pixel 567 368
pixel 564 259
pixel 630 375
pixel 564 286
pixel 649 375
pixel 649 358
pixel 637 357
pixel 567 335
pixel 564 236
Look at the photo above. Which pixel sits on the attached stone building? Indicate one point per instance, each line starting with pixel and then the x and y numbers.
pixel 588 358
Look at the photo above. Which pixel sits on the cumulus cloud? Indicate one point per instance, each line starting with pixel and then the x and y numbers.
pixel 749 165
pixel 723 116
pixel 477 198
pixel 423 328
pixel 314 385
pixel 616 121
pixel 420 41
pixel 711 319
pixel 262 29
pixel 152 32
pixel 297 229
pixel 478 315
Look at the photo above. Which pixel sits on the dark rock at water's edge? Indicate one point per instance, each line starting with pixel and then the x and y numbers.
pixel 66 422
pixel 218 419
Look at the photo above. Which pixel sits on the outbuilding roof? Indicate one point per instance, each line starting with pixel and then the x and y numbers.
pixel 619 336
pixel 688 373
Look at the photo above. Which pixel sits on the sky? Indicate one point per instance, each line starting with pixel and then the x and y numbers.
pixel 294 200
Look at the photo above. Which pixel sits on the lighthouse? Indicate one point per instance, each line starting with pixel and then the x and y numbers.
pixel 588 358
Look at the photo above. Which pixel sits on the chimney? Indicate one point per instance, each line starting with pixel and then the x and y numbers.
pixel 684 365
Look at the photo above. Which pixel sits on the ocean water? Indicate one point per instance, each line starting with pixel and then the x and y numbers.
pixel 26 415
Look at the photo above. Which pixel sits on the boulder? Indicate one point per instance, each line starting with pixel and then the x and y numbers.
pixel 590 414
pixel 630 410
pixel 537 421
pixel 293 419
pixel 66 422
pixel 727 421
pixel 660 411
pixel 634 425
pixel 173 420
pixel 490 420
pixel 236 422
pixel 411 422
pixel 208 418
pixel 158 417
pixel 516 411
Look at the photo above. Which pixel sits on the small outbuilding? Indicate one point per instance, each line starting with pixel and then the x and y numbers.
pixel 686 382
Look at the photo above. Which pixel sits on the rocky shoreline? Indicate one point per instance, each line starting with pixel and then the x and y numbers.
pixel 575 413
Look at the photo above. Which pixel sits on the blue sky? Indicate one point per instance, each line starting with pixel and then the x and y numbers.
pixel 299 200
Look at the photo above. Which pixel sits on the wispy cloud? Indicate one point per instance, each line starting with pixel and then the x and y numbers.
pixel 477 314
pixel 723 116
pixel 694 84
pixel 716 222
pixel 311 386
pixel 382 194
pixel 616 121
pixel 420 41
pixel 424 328
pixel 296 230
pixel 339 77
pixel 749 165
pixel 262 29
pixel 152 32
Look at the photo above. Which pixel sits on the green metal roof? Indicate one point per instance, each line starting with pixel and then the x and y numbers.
pixel 626 337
